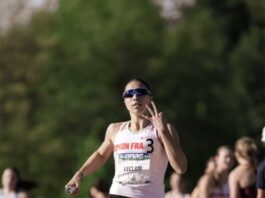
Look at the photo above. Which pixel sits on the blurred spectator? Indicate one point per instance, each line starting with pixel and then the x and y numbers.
pixel 209 168
pixel 177 187
pixel 10 178
pixel 14 186
pixel 214 182
pixel 242 179
pixel 261 173
pixel 98 190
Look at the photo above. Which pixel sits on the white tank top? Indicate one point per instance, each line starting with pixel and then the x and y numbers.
pixel 140 163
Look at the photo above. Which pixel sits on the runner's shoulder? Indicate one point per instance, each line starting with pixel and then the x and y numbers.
pixel 114 127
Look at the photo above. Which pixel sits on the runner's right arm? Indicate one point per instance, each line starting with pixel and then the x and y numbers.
pixel 96 160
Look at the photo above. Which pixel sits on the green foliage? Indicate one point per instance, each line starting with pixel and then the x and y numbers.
pixel 61 79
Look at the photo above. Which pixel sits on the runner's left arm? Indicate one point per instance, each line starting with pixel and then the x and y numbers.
pixel 169 137
pixel 175 154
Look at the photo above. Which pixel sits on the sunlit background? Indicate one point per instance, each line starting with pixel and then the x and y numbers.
pixel 63 65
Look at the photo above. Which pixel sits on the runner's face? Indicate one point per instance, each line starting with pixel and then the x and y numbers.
pixel 136 104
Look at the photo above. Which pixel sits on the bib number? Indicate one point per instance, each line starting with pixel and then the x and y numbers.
pixel 150 145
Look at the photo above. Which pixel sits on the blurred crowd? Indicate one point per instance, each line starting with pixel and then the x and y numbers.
pixel 231 173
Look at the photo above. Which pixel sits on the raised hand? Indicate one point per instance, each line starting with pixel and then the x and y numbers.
pixel 156 117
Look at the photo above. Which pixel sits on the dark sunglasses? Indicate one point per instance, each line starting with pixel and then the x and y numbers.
pixel 138 92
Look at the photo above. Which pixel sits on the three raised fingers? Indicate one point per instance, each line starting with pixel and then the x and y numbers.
pixel 153 111
pixel 150 110
pixel 154 107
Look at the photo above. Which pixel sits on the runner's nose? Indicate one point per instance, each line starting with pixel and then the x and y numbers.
pixel 135 96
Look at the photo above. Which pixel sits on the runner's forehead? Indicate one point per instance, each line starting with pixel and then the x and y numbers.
pixel 134 85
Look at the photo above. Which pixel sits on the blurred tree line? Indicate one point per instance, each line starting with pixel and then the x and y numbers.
pixel 62 75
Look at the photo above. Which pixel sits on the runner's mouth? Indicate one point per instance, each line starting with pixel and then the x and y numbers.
pixel 137 105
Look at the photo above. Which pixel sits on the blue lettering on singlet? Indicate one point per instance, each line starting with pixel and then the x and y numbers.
pixel 134 156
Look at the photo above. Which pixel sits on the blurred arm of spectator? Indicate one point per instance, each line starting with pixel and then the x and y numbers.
pixel 209 168
pixel 99 189
pixel 23 194
pixel 204 186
